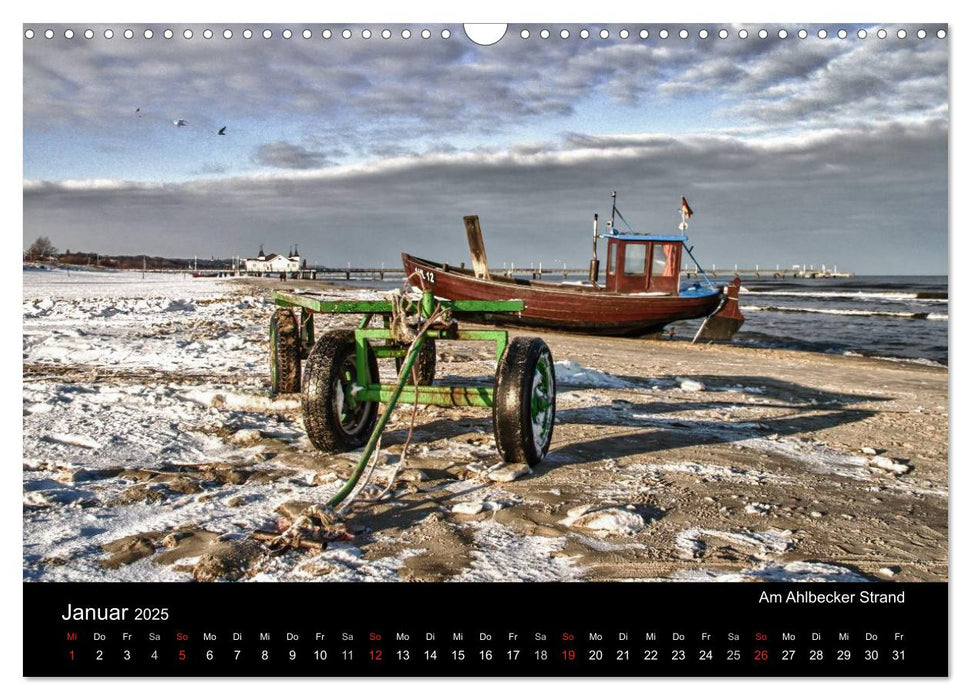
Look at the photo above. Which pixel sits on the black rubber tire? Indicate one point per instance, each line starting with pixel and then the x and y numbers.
pixel 330 368
pixel 424 364
pixel 512 419
pixel 284 352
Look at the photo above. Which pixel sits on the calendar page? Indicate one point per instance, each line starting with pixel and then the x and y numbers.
pixel 602 349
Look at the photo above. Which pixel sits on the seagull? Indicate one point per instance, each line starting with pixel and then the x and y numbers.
pixel 180 122
pixel 222 132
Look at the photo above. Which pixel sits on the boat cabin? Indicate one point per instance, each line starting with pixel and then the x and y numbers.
pixel 643 263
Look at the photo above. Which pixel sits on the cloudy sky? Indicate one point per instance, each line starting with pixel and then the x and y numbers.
pixel 790 150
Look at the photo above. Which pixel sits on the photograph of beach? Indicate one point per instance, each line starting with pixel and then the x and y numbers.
pixel 731 245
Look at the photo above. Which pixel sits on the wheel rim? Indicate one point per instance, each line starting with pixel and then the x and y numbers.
pixel 351 414
pixel 542 401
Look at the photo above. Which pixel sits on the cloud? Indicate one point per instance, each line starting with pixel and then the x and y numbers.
pixel 854 198
pixel 365 96
pixel 280 154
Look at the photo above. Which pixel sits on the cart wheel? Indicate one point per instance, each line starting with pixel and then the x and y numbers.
pixel 524 403
pixel 284 352
pixel 329 379
pixel 424 364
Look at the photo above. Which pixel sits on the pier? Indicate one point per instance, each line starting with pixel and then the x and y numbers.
pixel 533 272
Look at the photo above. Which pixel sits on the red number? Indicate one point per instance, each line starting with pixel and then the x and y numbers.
pixel 569 655
pixel 375 655
pixel 761 654
pixel 181 654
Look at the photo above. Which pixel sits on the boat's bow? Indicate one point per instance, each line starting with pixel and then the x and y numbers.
pixel 727 319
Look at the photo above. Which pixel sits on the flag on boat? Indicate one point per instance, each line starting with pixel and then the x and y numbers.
pixel 685 209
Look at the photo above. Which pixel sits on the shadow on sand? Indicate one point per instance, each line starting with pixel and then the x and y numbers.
pixel 812 410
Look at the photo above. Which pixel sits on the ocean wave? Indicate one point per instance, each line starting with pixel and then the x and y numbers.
pixel 765 340
pixel 916 315
pixel 938 297
pixel 906 360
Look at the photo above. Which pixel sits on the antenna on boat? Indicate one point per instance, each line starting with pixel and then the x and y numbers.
pixel 613 209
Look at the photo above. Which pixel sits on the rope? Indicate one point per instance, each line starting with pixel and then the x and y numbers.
pixel 629 227
pixel 316 523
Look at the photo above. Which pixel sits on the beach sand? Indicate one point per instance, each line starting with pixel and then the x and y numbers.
pixel 759 472
pixel 669 461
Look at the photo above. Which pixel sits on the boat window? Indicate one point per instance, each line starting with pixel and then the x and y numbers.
pixel 660 263
pixel 635 259
pixel 612 259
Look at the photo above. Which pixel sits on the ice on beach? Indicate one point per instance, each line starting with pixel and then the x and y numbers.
pixel 693 542
pixel 791 572
pixel 500 554
pixel 758 508
pixel 608 520
pixel 690 384
pixel 888 465
pixel 476 507
pixel 570 373
pixel 76 440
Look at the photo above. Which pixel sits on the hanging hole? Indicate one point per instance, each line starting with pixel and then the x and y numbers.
pixel 485 34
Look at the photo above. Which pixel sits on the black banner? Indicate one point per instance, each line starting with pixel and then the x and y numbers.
pixel 480 629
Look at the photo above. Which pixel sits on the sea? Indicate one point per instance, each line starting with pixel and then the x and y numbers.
pixel 903 318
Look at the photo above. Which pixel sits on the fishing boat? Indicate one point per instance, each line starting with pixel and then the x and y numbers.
pixel 641 293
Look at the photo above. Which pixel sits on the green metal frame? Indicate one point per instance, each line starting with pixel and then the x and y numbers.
pixel 364 336
pixel 392 394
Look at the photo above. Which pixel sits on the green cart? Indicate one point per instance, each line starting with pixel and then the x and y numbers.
pixel 340 387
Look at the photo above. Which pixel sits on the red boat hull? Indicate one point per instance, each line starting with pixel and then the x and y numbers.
pixel 574 308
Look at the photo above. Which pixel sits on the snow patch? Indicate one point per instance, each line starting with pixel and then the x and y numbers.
pixel 606 520
pixel 570 373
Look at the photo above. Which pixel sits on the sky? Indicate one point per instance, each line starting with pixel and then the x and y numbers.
pixel 810 151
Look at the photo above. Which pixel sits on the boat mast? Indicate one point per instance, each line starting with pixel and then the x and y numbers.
pixel 683 226
pixel 595 262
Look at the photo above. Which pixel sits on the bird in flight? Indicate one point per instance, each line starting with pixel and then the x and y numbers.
pixel 181 122
pixel 222 132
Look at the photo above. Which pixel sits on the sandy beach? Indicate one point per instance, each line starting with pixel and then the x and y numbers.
pixel 152 451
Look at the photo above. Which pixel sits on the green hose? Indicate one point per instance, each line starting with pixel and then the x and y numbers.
pixel 382 422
